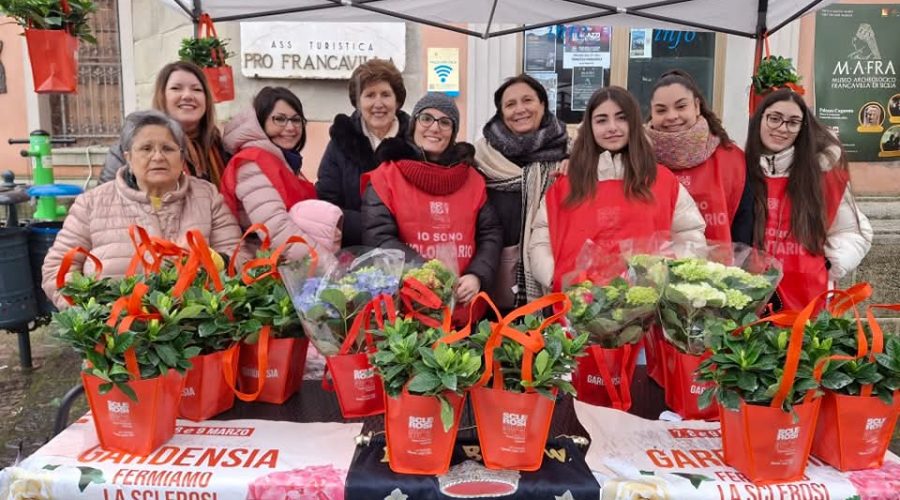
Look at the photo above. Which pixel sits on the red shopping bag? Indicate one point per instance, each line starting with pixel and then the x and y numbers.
pixel 54 60
pixel 359 389
pixel 219 77
pixel 604 376
pixel 766 443
pixel 513 427
pixel 681 385
pixel 416 440
pixel 854 431
pixel 206 393
pixel 279 378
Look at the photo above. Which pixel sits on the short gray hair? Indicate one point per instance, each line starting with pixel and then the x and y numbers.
pixel 134 122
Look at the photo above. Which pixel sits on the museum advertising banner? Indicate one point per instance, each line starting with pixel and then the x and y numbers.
pixel 856 59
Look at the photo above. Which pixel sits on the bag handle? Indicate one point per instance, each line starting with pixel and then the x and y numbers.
pixel 199 257
pixel 66 264
pixel 143 245
pixel 795 347
pixel 532 340
pixel 877 337
pixel 854 295
pixel 131 305
pixel 412 293
pixel 252 230
pixel 230 361
pixel 378 308
pixel 848 300
pixel 619 401
pixel 466 331
pixel 272 261
pixel 207 28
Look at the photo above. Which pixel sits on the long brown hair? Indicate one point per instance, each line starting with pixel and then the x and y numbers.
pixel 637 157
pixel 683 78
pixel 804 186
pixel 208 138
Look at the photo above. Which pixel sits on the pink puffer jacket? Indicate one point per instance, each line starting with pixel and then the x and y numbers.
pixel 99 220
pixel 319 222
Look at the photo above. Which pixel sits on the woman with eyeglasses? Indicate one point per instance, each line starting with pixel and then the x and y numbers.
pixel 427 193
pixel 263 182
pixel 614 191
pixel 182 93
pixel 804 211
pixel 152 191
pixel 689 139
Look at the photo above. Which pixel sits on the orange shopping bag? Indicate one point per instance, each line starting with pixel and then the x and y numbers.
pixel 604 376
pixel 206 393
pixel 280 378
pixel 54 58
pixel 681 386
pixel 416 440
pixel 854 431
pixel 513 427
pixel 766 443
pixel 359 388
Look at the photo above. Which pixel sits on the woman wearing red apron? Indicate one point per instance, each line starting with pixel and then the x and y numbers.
pixel 426 194
pixel 688 138
pixel 614 191
pixel 804 213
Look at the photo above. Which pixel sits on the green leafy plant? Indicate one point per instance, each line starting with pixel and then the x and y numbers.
pixel 408 357
pixel 849 376
pixel 209 52
pixel 81 288
pixel 774 72
pixel 749 365
pixel 553 364
pixel 48 15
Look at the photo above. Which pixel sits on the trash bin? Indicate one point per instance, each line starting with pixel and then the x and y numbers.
pixel 17 301
pixel 41 236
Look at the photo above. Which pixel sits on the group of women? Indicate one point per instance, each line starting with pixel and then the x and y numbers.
pixel 514 209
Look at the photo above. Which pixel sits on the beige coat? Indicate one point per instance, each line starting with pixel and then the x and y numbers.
pixel 688 225
pixel 99 220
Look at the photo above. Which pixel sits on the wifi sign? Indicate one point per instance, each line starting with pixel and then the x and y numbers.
pixel 443 72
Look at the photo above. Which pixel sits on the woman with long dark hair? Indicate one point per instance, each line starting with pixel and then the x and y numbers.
pixel 804 212
pixel 614 191
pixel 689 139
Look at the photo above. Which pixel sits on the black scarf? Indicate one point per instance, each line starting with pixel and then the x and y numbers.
pixel 546 144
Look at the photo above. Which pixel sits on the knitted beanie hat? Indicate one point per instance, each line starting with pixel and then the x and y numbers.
pixel 440 102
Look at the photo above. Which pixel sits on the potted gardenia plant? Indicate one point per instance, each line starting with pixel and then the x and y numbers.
pixel 210 52
pixel 773 73
pixel 425 381
pixel 52 31
pixel 528 362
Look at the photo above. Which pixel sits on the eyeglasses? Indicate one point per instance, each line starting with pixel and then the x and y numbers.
pixel 444 122
pixel 282 120
pixel 774 121
pixel 148 150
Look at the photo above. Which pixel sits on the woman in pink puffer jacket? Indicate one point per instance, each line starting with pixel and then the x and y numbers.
pixel 263 182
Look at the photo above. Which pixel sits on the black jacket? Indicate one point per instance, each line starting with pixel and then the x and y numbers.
pixel 742 224
pixel 380 227
pixel 347 157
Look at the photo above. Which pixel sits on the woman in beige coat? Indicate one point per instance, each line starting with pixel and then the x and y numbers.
pixel 153 192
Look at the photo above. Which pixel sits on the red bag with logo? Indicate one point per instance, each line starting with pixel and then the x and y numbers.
pixel 220 77
pixel 766 443
pixel 416 440
pixel 681 385
pixel 854 431
pixel 360 391
pixel 513 427
pixel 604 376
pixel 276 380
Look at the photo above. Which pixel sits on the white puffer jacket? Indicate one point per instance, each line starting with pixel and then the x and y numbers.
pixel 850 236
pixel 688 225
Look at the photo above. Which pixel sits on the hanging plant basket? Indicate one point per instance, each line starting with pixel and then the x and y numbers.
pixel 773 73
pixel 209 52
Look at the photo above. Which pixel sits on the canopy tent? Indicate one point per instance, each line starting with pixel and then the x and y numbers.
pixel 747 18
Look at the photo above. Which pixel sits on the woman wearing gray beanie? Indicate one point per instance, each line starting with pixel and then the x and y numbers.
pixel 426 191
